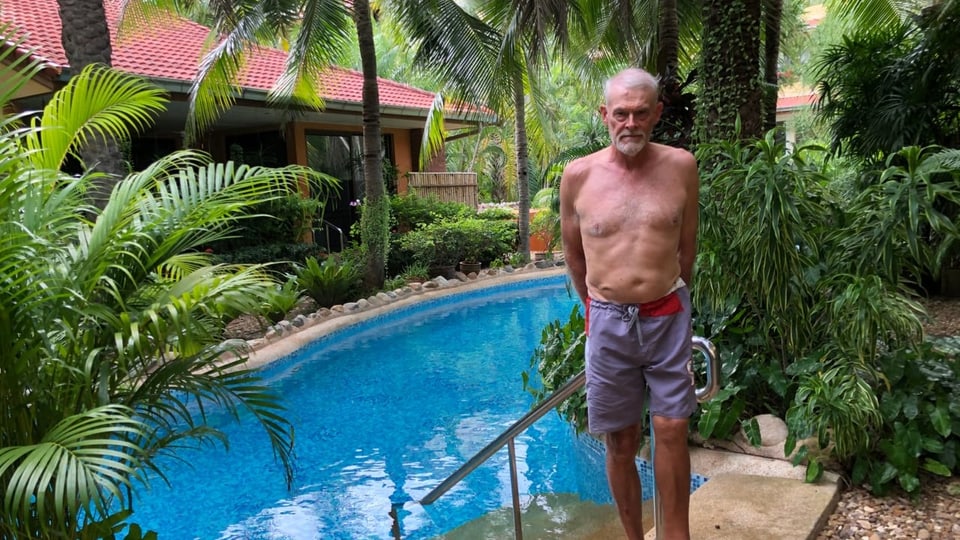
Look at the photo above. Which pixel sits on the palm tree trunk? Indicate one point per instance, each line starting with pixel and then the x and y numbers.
pixel 86 40
pixel 523 185
pixel 669 43
pixel 773 11
pixel 730 71
pixel 374 220
pixel 676 122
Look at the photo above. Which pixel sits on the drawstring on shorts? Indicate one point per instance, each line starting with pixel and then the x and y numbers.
pixel 632 317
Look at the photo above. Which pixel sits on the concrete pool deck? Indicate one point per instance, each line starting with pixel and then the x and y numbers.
pixel 746 498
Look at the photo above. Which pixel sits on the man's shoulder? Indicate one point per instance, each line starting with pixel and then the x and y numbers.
pixel 674 154
pixel 581 165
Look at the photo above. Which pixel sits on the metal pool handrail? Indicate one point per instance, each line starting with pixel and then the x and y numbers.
pixel 507 437
pixel 710 389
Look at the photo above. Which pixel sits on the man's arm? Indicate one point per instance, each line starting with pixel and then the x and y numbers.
pixel 691 215
pixel 570 228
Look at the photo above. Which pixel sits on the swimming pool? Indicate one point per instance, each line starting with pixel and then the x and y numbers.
pixel 384 411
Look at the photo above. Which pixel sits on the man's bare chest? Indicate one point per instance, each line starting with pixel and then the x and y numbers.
pixel 606 209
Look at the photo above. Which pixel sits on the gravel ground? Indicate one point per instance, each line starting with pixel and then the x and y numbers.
pixel 934 515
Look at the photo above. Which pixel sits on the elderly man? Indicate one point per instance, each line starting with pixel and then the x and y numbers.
pixel 629 225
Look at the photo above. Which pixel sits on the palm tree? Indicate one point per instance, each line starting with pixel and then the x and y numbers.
pixel 492 55
pixel 374 224
pixel 86 40
pixel 885 89
pixel 111 348
pixel 317 32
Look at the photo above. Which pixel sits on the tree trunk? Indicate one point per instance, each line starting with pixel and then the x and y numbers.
pixel 773 11
pixel 730 71
pixel 523 184
pixel 374 219
pixel 669 42
pixel 676 122
pixel 86 40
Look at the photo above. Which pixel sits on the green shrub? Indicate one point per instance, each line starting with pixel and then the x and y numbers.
pixel 398 257
pixel 434 245
pixel 920 408
pixel 394 283
pixel 416 272
pixel 410 211
pixel 280 256
pixel 282 299
pixel 515 258
pixel 446 243
pixel 330 282
pixel 559 358
pixel 485 241
pixel 497 214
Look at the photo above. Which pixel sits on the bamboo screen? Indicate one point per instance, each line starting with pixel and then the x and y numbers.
pixel 458 187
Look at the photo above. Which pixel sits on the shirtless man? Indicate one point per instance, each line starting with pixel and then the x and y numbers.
pixel 629 224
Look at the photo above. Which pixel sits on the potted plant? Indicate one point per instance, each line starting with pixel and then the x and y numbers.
pixel 475 244
pixel 437 246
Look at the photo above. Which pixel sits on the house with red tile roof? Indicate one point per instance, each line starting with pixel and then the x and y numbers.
pixel 169 52
pixel 796 97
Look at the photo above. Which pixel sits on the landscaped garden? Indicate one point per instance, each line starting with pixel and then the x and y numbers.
pixel 816 259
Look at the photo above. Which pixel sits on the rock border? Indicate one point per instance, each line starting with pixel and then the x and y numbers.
pixel 286 337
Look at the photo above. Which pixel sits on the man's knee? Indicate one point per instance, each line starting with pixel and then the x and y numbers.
pixel 670 430
pixel 623 444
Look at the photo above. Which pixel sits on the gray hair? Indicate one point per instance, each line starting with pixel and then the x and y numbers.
pixel 631 78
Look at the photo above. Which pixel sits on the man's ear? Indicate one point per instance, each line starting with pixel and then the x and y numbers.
pixel 603 112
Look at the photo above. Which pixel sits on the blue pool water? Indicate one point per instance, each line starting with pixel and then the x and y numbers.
pixel 383 412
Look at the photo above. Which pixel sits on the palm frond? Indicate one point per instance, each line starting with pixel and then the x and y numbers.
pixel 216 84
pixel 101 103
pixel 80 464
pixel 432 141
pixel 459 46
pixel 17 66
pixel 323 35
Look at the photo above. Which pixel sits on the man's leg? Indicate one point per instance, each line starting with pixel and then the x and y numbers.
pixel 672 467
pixel 624 479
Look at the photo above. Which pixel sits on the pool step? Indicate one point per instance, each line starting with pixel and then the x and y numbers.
pixel 729 506
pixel 550 517
pixel 750 507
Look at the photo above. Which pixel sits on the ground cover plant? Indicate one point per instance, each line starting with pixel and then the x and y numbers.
pixel 111 320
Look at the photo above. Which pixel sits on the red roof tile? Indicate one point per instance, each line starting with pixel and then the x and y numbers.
pixel 172 50
pixel 793 102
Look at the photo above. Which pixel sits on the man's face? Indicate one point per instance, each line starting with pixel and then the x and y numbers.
pixel 630 117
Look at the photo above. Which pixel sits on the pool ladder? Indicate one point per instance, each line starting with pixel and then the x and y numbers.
pixel 705 393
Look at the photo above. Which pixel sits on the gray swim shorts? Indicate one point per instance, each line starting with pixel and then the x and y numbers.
pixel 631 347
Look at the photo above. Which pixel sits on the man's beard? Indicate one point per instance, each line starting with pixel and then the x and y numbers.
pixel 631 147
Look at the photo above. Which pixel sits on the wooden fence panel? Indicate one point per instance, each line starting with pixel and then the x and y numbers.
pixel 458 187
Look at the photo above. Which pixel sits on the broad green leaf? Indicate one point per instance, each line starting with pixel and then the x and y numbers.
pixel 814 471
pixel 936 467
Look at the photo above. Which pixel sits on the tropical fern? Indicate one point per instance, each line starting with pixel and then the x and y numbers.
pixel 111 321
